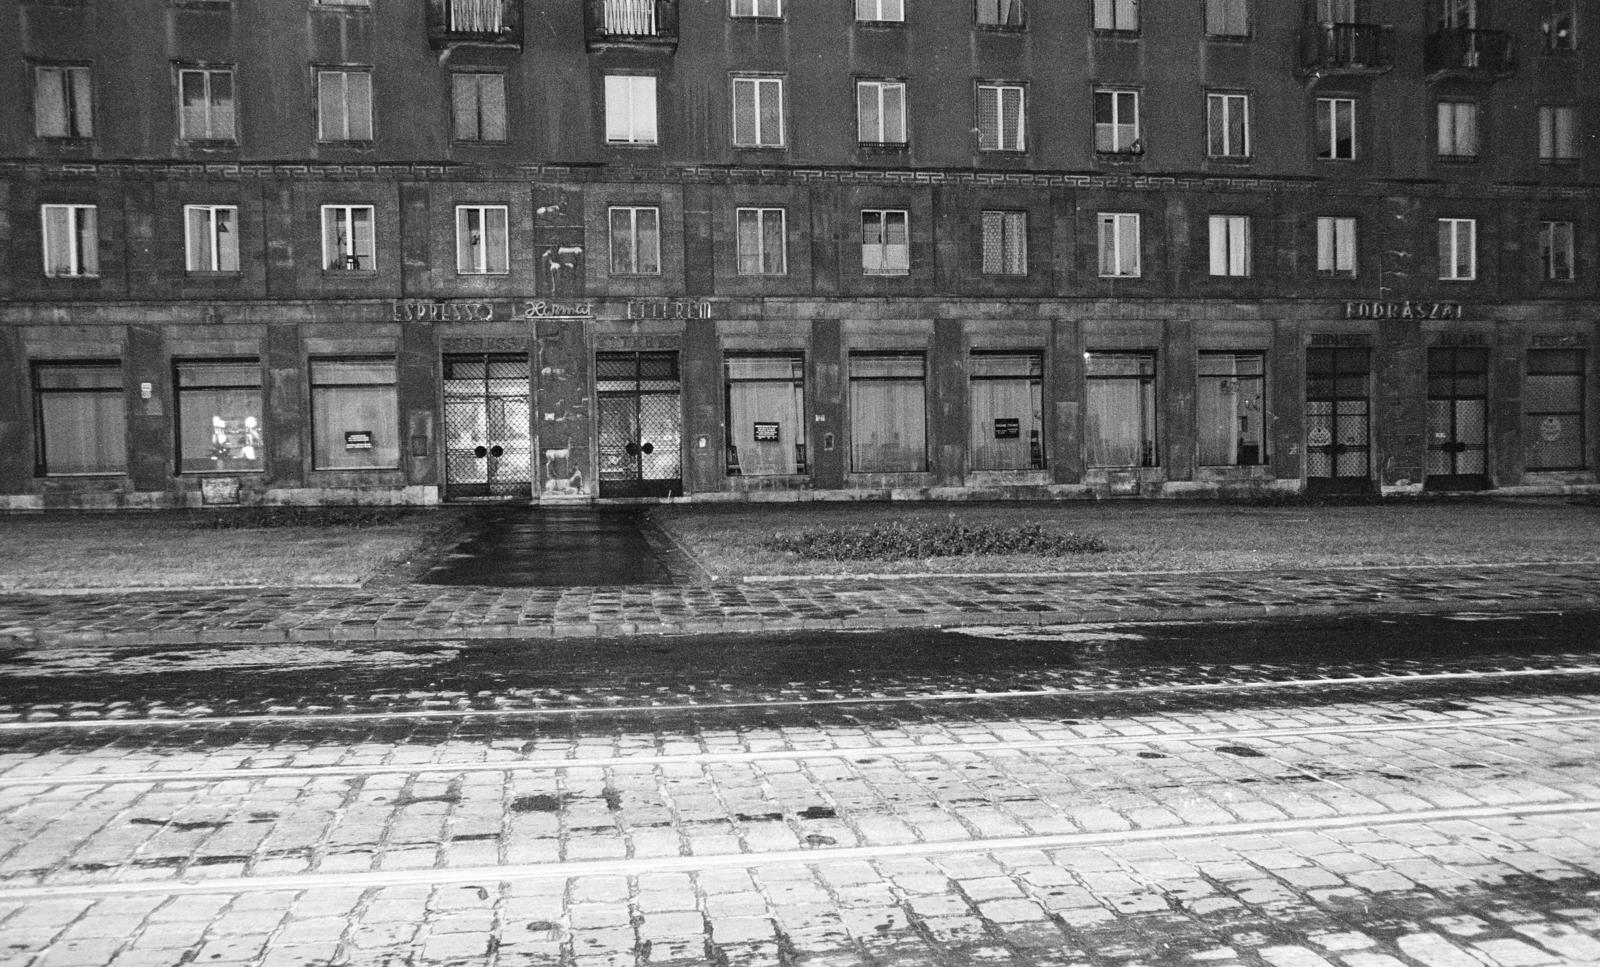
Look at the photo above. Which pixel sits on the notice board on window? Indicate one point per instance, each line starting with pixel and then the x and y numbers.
pixel 358 439
pixel 766 433
pixel 1008 429
pixel 219 490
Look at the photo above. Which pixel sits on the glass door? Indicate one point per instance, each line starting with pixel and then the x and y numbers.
pixel 1458 418
pixel 641 424
pixel 488 451
pixel 1338 422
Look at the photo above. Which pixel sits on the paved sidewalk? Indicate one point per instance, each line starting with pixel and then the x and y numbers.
pixel 423 612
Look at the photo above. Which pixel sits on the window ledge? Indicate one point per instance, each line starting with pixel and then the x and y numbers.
pixel 773 149
pixel 1336 276
pixel 1104 34
pixel 1457 159
pixel 1229 38
pixel 885 275
pixel 1119 157
pixel 211 144
pixel 478 143
pixel 634 145
pixel 205 275
pixel 80 277
pixel 883 147
pixel 349 273
pixel 223 473
pixel 881 24
pixel 737 18
pixel 1560 162
pixel 1003 28
pixel 1237 160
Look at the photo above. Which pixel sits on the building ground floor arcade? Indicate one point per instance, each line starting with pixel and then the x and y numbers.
pixel 150 405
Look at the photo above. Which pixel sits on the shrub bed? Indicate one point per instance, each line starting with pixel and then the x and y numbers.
pixel 919 539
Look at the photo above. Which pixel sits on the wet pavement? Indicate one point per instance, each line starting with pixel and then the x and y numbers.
pixel 551 548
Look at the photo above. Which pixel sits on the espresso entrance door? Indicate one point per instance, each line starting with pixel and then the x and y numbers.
pixel 641 424
pixel 487 427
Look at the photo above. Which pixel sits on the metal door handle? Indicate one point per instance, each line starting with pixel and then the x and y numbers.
pixel 632 448
pixel 496 450
pixel 479 452
pixel 648 448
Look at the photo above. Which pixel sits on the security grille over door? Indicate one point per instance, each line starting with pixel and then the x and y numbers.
pixel 486 418
pixel 1458 413
pixel 1338 454
pixel 641 424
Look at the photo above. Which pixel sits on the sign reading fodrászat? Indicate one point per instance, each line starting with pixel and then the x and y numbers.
pixel 426 310
pixel 1402 310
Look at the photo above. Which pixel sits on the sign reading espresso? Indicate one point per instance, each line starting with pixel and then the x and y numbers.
pixel 1402 310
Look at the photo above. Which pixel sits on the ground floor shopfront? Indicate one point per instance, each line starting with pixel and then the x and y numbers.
pixel 144 405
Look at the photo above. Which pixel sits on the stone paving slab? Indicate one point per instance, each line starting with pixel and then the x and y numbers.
pixel 420 612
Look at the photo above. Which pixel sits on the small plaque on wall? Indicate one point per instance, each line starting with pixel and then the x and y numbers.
pixel 219 490
pixel 1007 429
pixel 766 433
pixel 358 439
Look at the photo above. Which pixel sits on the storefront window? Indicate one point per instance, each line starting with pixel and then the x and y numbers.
pixel 1122 409
pixel 1553 425
pixel 766 415
pixel 80 419
pixel 355 417
pixel 1232 409
pixel 888 413
pixel 1007 408
pixel 219 417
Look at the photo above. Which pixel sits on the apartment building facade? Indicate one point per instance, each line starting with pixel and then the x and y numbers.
pixel 555 250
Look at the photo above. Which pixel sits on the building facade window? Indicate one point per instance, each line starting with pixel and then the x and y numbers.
pixel 1005 243
pixel 885 242
pixel 635 241
pixel 881 112
pixel 880 11
pixel 888 413
pixel 630 109
pixel 766 401
pixel 1228 125
pixel 761 241
pixel 1231 410
pixel 1230 245
pixel 757 112
pixel 1006 394
pixel 1560 25
pixel 80 421
pixel 1557 252
pixel 1458 249
pixel 1119 15
pixel 1119 245
pixel 219 416
pixel 1458 129
pixel 478 106
pixel 344 105
pixel 1336 128
pixel 348 240
pixel 1553 421
pixel 211 238
pixel 355 414
pixel 71 241
pixel 1336 247
pixel 1228 18
pixel 483 242
pixel 205 104
pixel 1000 13
pixel 1121 418
pixel 1557 143
pixel 1116 122
pixel 62 102
pixel 762 9
pixel 1002 117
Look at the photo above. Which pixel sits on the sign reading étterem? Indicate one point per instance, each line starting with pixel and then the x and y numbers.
pixel 1402 310
pixel 455 310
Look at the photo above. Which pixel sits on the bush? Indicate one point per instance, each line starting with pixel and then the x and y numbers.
pixel 923 539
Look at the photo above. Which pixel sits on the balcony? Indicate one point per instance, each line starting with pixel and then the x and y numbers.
pixel 1346 48
pixel 497 23
pixel 1468 55
pixel 631 24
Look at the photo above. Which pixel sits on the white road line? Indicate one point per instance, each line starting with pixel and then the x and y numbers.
pixel 855 753
pixel 473 713
pixel 677 864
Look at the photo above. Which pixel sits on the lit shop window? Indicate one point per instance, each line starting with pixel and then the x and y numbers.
pixel 347 239
pixel 478 106
pixel 1553 422
pixel 1007 407
pixel 219 416
pixel 1232 409
pixel 355 414
pixel 211 238
pixel 483 243
pixel 71 245
pixel 62 102
pixel 761 241
pixel 1121 429
pixel 766 398
pixel 888 413
pixel 80 419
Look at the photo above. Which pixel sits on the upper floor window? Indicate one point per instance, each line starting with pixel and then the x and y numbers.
pixel 205 104
pixel 1228 18
pixel 1116 122
pixel 881 11
pixel 1458 129
pixel 772 9
pixel 61 102
pixel 1228 125
pixel 1122 15
pixel 348 244
pixel 1005 243
pixel 211 238
pixel 1000 13
pixel 885 242
pixel 1001 117
pixel 478 106
pixel 344 105
pixel 343 3
pixel 758 112
pixel 1336 128
pixel 635 241
pixel 1230 245
pixel 1457 14
pixel 1556 140
pixel 483 241
pixel 762 249
pixel 1336 247
pixel 1119 245
pixel 630 109
pixel 71 245
pixel 1458 249
pixel 881 112
pixel 1560 25
pixel 1556 252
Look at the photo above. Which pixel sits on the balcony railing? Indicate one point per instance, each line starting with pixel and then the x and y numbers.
pixel 631 23
pixel 496 22
pixel 1469 55
pixel 1346 48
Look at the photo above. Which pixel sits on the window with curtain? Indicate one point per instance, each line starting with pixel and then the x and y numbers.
pixel 1458 249
pixel 482 240
pixel 881 112
pixel 1458 129
pixel 758 112
pixel 1005 243
pixel 80 419
pixel 205 104
pixel 478 106
pixel 219 416
pixel 1006 403
pixel 1122 15
pixel 766 398
pixel 1230 245
pixel 348 244
pixel 1232 410
pixel 1228 125
pixel 71 241
pixel 344 105
pixel 761 242
pixel 1121 420
pixel 1001 118
pixel 1556 252
pixel 62 104
pixel 885 242
pixel 1553 422
pixel 1336 247
pixel 1000 13
pixel 630 109
pixel 635 241
pixel 880 11
pixel 211 238
pixel 1116 122
pixel 355 414
pixel 888 413
pixel 1119 245
pixel 1336 128
pixel 1228 18
pixel 1557 143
